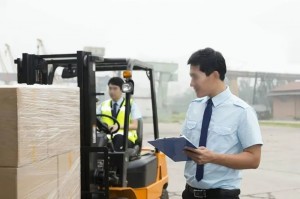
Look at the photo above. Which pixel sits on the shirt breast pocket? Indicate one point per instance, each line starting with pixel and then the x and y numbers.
pixel 222 138
pixel 191 126
pixel 221 130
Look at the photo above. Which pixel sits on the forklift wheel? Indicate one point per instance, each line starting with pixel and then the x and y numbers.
pixel 165 194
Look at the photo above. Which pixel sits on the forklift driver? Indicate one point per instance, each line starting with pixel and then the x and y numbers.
pixel 115 107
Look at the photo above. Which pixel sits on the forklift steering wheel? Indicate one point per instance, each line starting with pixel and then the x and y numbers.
pixel 106 128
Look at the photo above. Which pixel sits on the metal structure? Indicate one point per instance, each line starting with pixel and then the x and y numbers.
pixel 7 70
pixel 10 57
pixel 164 73
pixel 40 47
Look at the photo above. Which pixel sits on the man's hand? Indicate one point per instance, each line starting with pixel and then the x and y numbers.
pixel 113 128
pixel 247 159
pixel 200 155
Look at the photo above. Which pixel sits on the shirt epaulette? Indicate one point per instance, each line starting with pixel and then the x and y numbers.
pixel 199 99
pixel 240 103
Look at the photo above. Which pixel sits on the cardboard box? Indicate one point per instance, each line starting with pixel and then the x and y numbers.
pixel 37 180
pixel 69 175
pixel 55 177
pixel 37 122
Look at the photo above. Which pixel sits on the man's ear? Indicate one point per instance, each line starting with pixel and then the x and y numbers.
pixel 216 74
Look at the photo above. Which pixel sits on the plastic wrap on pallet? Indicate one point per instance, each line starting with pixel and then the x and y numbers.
pixel 37 122
pixel 69 175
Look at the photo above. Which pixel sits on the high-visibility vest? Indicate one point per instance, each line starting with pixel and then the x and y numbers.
pixel 106 109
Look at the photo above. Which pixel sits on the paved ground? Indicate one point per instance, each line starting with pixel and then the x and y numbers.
pixel 278 176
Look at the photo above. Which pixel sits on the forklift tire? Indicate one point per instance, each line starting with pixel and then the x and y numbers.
pixel 165 194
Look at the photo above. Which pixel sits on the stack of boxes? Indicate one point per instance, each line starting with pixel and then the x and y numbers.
pixel 39 142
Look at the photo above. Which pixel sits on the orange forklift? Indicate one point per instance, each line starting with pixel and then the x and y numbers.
pixel 133 173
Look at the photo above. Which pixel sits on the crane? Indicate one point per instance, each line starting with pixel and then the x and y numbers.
pixel 2 65
pixel 40 47
pixel 11 59
pixel 5 75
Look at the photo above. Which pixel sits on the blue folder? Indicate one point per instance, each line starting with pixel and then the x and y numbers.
pixel 173 147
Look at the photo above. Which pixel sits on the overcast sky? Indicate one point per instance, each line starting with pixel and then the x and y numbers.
pixel 256 35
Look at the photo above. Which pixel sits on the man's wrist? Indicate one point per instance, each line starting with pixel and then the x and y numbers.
pixel 217 158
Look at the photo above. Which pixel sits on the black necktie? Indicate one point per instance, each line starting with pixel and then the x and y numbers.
pixel 203 136
pixel 114 111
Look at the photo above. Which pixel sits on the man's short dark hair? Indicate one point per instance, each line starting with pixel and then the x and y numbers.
pixel 208 60
pixel 116 81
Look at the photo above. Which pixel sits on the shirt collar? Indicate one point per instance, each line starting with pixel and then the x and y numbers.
pixel 119 101
pixel 221 97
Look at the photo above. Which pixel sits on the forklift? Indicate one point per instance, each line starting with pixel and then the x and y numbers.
pixel 133 173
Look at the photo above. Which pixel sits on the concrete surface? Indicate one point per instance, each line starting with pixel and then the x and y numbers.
pixel 278 176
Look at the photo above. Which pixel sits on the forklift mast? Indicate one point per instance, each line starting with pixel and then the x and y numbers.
pixel 40 69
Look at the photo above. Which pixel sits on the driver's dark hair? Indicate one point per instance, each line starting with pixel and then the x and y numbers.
pixel 208 60
pixel 116 81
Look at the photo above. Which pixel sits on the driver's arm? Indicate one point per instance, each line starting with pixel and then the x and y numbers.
pixel 133 125
pixel 135 114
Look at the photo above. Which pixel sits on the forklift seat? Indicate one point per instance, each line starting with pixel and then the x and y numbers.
pixel 134 153
pixel 142 169
pixel 139 133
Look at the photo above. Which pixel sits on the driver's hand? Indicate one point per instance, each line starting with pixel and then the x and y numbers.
pixel 113 128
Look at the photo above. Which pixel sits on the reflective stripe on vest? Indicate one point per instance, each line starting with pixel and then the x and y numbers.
pixel 106 110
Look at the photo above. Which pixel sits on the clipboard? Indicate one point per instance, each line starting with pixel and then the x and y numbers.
pixel 173 147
